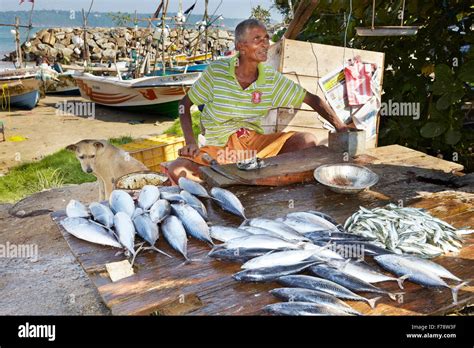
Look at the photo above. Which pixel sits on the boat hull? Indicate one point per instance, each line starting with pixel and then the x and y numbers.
pixel 21 92
pixel 27 100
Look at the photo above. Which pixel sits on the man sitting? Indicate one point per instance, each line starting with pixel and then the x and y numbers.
pixel 237 94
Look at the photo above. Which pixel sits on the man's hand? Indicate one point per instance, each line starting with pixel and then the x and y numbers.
pixel 190 150
pixel 345 128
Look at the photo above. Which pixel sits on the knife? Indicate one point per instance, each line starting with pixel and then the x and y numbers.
pixel 216 167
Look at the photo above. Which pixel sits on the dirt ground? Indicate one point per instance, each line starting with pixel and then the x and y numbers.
pixel 48 131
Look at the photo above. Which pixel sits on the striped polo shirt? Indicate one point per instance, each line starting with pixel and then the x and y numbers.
pixel 228 107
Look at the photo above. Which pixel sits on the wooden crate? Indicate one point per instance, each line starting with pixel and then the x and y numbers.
pixel 305 63
pixel 154 150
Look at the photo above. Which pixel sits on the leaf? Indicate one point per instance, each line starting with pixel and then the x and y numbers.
pixel 452 136
pixel 466 73
pixel 443 79
pixel 444 102
pixel 432 129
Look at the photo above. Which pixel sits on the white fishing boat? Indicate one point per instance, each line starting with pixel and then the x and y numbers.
pixel 19 88
pixel 156 94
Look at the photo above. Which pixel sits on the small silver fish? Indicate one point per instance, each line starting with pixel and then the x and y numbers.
pixel 86 230
pixel 121 201
pixel 148 195
pixel 76 209
pixel 228 201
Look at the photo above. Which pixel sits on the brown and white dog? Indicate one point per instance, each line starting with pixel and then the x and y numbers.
pixel 107 162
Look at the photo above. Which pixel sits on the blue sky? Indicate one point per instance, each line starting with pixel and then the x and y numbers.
pixel 229 8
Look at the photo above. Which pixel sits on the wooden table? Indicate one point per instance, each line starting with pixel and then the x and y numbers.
pixel 168 286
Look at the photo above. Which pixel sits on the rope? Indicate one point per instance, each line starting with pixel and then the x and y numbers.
pixel 5 97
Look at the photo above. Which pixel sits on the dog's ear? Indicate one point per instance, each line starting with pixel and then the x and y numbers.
pixel 98 145
pixel 72 147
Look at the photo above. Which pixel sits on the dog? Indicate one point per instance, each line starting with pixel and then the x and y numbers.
pixel 107 162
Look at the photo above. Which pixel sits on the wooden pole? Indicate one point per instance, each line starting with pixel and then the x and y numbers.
pixel 206 19
pixel 19 57
pixel 163 27
pixel 302 14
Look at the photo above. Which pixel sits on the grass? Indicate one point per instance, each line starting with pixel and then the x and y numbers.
pixel 176 126
pixel 55 170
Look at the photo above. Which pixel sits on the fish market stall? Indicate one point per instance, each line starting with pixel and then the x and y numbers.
pixel 205 285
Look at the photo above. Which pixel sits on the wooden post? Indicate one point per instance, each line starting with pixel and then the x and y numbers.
pixel 19 56
pixel 206 18
pixel 302 14
pixel 163 27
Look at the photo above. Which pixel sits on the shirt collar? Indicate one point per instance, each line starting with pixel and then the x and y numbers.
pixel 261 70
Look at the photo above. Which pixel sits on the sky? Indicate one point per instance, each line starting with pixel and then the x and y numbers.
pixel 229 8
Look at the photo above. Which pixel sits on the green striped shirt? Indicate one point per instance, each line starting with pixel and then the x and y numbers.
pixel 229 107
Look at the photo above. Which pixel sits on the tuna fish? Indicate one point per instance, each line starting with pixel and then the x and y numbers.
pixel 224 233
pixel 267 274
pixel 259 241
pixel 195 203
pixel 76 209
pixel 126 232
pixel 236 255
pixel 160 210
pixel 228 201
pixel 148 230
pixel 174 233
pixel 148 195
pixel 278 258
pixel 86 230
pixel 193 187
pixel 121 201
pixel 171 197
pixel 192 222
pixel 302 308
pixel 283 230
pixel 318 221
pixel 102 214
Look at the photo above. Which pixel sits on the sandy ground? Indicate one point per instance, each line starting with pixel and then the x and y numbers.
pixel 47 131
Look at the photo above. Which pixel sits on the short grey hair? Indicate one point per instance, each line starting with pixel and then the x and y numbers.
pixel 244 26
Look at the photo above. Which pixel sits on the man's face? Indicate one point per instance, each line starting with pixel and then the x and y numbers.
pixel 255 45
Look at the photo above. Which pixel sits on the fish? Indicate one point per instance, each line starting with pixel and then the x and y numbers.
pixel 313 296
pixel 433 267
pixel 126 232
pixel 121 201
pixel 324 285
pixel 174 232
pixel 194 202
pixel 193 187
pixel 236 255
pixel 324 216
pixel 170 189
pixel 148 230
pixel 348 281
pixel 228 201
pixel 86 230
pixel 302 308
pixel 323 251
pixel 279 228
pixel 327 236
pixel 315 220
pixel 260 241
pixel 102 214
pixel 148 195
pixel 278 258
pixel 417 271
pixel 299 225
pixel 172 197
pixel 160 210
pixel 76 209
pixel 258 230
pixel 364 271
pixel 193 223
pixel 266 274
pixel 366 247
pixel 224 233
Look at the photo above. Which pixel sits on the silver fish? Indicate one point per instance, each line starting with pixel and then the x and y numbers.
pixel 160 210
pixel 148 195
pixel 86 230
pixel 172 197
pixel 348 281
pixel 315 220
pixel 433 267
pixel 299 225
pixel 313 296
pixel 302 308
pixel 418 273
pixel 170 189
pixel 324 285
pixel 102 214
pixel 228 201
pixel 279 258
pixel 192 222
pixel 266 274
pixel 324 216
pixel 174 233
pixel 236 255
pixel 224 233
pixel 258 230
pixel 192 187
pixel 194 202
pixel 260 241
pixel 76 209
pixel 125 231
pixel 121 201
pixel 146 228
pixel 279 228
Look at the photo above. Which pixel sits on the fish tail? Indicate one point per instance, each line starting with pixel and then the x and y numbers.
pixel 134 256
pixel 372 301
pixel 402 279
pixel 159 251
pixel 455 290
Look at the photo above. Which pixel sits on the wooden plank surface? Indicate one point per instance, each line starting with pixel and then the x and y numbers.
pixel 205 287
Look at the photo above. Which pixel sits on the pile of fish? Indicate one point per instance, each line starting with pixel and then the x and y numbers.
pixel 405 231
pixel 175 211
pixel 281 249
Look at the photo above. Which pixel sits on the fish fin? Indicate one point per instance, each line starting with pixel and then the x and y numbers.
pixel 245 223
pixel 372 301
pixel 455 290
pixel 157 250
pixel 401 279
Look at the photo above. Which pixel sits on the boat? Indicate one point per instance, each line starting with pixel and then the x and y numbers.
pixel 64 84
pixel 152 94
pixel 19 88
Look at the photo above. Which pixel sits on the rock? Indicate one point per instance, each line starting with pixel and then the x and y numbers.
pixel 60 35
pixel 59 46
pixel 92 43
pixel 41 47
pixel 96 50
pixel 121 42
pixel 96 56
pixel 66 52
pixel 173 34
pixel 128 37
pixel 67 30
pixel 108 45
pixel 222 34
pixel 109 53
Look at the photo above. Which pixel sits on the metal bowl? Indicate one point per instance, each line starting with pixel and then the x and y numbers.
pixel 345 177
pixel 135 181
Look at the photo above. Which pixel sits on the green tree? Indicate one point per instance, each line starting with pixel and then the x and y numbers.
pixel 120 19
pixel 262 14
pixel 434 68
